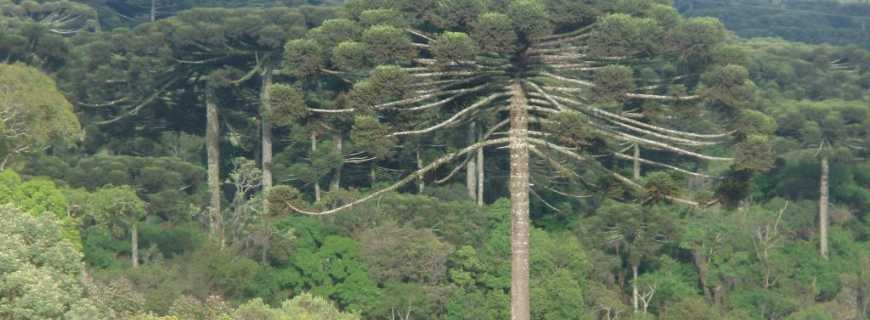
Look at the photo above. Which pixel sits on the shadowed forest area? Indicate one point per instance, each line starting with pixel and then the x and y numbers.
pixel 434 159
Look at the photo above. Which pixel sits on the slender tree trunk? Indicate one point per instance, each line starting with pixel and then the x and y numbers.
pixel 373 175
pixel 5 161
pixel 212 133
pixel 336 179
pixel 266 157
pixel 471 166
pixel 480 173
pixel 701 265
pixel 636 162
pixel 823 209
pixel 134 245
pixel 317 182
pixel 519 190
pixel 421 183
pixel 153 12
pixel 861 292
pixel 634 293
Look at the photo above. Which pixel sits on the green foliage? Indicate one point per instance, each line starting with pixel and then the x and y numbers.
pixel 729 85
pixel 530 18
pixel 388 17
pixel 454 47
pixel 334 31
pixel 309 307
pixel 287 104
pixel 350 55
pixel 695 39
pixel 755 153
pixel 494 33
pixel 397 253
pixel 620 35
pixel 114 206
pixel 303 57
pixel 33 113
pixel 612 83
pixel 39 270
pixel 388 45
pixel 40 197
pixel 458 14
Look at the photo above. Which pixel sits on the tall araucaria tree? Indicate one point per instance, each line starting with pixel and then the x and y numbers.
pixel 560 79
pixel 831 131
pixel 186 59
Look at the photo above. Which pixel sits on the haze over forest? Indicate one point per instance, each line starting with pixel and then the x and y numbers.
pixel 434 159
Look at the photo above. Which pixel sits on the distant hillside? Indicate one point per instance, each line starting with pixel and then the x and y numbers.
pixel 844 22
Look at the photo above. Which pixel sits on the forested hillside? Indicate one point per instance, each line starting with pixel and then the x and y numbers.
pixel 845 23
pixel 434 159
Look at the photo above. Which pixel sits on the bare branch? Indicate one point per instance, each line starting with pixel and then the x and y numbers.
pixel 663 165
pixel 452 119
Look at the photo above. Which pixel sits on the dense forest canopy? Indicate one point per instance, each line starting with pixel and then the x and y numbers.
pixel 434 159
pixel 839 22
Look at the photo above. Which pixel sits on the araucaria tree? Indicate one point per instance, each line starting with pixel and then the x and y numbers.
pixel 575 83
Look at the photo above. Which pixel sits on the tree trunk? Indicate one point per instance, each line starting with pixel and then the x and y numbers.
pixel 316 182
pixel 823 209
pixel 701 265
pixel 634 293
pixel 421 183
pixel 153 12
pixel 336 179
pixel 266 157
pixel 636 162
pixel 480 173
pixel 519 190
pixel 861 294
pixel 373 175
pixel 471 166
pixel 134 245
pixel 212 133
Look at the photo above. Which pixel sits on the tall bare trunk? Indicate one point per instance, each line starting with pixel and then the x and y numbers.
pixel 317 182
pixel 421 182
pixel 336 179
pixel 134 245
pixel 519 189
pixel 636 162
pixel 212 133
pixel 267 136
pixel 480 173
pixel 634 293
pixel 471 166
pixel 153 13
pixel 823 209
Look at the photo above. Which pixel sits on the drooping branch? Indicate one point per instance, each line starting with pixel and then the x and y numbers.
pixel 625 180
pixel 684 141
pixel 454 118
pixel 135 110
pixel 617 117
pixel 663 165
pixel 408 179
pixel 661 97
pixel 566 79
